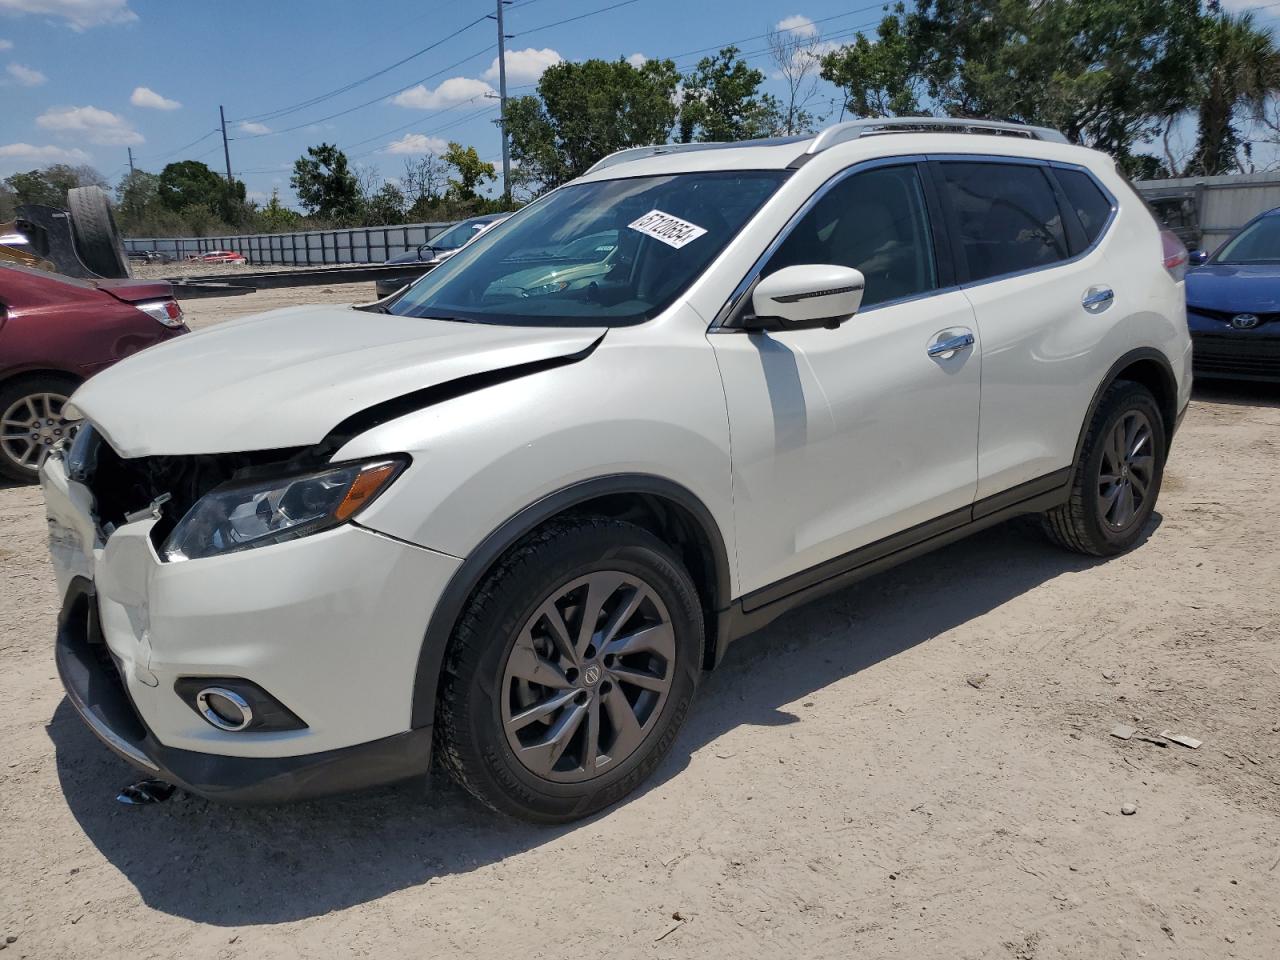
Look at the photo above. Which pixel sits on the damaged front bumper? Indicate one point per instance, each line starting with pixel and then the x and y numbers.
pixel 331 625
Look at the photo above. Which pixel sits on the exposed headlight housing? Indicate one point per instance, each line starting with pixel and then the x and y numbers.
pixel 243 514
pixel 544 289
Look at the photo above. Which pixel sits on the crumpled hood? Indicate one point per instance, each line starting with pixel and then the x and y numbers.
pixel 1235 288
pixel 286 378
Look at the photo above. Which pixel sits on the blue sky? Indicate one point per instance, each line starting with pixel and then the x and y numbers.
pixel 83 80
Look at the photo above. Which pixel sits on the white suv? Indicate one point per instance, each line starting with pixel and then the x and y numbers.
pixel 516 510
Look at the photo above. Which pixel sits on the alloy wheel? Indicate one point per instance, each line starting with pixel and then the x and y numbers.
pixel 587 677
pixel 31 426
pixel 1128 466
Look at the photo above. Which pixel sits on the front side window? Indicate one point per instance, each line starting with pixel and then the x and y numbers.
pixel 1257 243
pixel 875 221
pixel 610 253
pixel 1007 216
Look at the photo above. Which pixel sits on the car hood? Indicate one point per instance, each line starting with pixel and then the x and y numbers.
pixel 1235 288
pixel 286 378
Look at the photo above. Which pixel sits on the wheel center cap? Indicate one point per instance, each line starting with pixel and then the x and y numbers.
pixel 591 675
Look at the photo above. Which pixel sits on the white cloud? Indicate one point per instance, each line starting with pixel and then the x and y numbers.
pixel 12 154
pixel 25 75
pixel 416 143
pixel 524 66
pixel 257 129
pixel 452 92
pixel 637 60
pixel 6 44
pixel 799 24
pixel 79 14
pixel 146 97
pixel 97 126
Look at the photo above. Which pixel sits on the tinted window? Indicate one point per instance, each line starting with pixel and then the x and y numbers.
pixel 1007 216
pixel 532 269
pixel 875 221
pixel 1090 203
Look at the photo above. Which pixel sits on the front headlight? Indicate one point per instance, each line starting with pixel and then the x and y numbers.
pixel 239 515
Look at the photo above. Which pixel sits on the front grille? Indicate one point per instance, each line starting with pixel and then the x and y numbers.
pixel 1235 356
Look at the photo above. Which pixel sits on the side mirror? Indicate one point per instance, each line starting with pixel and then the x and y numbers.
pixel 806 296
pixel 1198 258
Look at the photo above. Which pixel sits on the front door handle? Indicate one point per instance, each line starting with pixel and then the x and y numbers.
pixel 1097 297
pixel 946 347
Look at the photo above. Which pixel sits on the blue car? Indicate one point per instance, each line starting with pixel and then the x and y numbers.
pixel 1233 304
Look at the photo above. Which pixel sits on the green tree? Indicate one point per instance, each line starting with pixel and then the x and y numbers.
pixel 275 217
pixel 470 169
pixel 878 76
pixel 325 185
pixel 722 101
pixel 1105 72
pixel 1235 69
pixel 386 207
pixel 585 111
pixel 49 185
pixel 190 183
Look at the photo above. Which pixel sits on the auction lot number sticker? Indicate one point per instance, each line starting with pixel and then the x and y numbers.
pixel 667 228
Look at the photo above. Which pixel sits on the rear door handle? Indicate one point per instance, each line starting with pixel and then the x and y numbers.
pixel 946 346
pixel 1097 297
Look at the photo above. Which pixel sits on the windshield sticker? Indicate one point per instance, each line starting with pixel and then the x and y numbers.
pixel 672 231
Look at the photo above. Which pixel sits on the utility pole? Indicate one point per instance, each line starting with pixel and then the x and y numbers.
pixel 226 151
pixel 502 105
pixel 131 162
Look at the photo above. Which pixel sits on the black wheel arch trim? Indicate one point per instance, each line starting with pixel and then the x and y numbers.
pixel 467 577
pixel 1171 416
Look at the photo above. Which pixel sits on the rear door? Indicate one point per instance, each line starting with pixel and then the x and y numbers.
pixel 1044 298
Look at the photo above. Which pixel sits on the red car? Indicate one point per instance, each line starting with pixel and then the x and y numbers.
pixel 218 256
pixel 55 332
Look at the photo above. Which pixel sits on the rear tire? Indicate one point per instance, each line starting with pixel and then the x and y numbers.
pixel 27 404
pixel 1117 478
pixel 593 627
pixel 97 240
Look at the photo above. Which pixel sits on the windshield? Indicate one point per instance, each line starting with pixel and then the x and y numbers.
pixel 608 253
pixel 456 236
pixel 1258 243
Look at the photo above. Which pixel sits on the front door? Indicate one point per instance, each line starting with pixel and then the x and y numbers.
pixel 844 437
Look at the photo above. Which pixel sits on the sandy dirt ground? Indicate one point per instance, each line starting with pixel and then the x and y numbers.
pixel 841 788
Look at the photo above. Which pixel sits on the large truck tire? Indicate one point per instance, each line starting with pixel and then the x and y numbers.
pixel 94 228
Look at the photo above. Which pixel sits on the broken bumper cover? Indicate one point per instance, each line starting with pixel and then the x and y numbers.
pixel 98 694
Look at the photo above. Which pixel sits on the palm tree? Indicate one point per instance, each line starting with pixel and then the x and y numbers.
pixel 1237 66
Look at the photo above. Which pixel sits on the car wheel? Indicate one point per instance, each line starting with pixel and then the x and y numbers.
pixel 570 671
pixel 31 422
pixel 1117 478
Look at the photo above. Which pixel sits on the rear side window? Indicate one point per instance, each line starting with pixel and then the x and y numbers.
pixel 876 222
pixel 1090 203
pixel 1007 217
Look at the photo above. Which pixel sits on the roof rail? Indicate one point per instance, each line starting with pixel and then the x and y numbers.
pixel 871 126
pixel 658 149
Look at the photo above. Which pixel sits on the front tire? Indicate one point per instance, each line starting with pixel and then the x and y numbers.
pixel 1117 478
pixel 571 670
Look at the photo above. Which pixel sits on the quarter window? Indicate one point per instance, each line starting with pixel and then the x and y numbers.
pixel 1007 217
pixel 1090 204
pixel 875 221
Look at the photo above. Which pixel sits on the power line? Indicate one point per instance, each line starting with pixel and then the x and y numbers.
pixel 320 98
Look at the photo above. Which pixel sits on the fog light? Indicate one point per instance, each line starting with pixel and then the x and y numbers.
pixel 224 708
